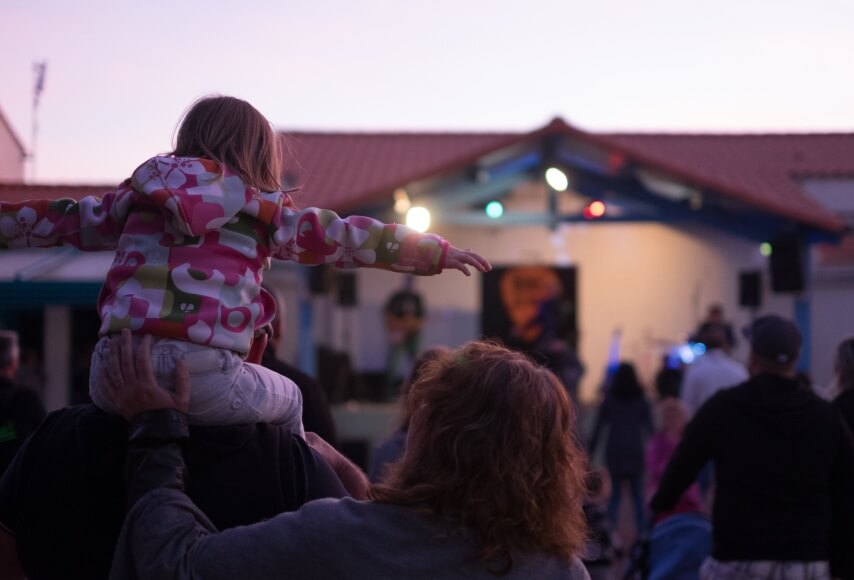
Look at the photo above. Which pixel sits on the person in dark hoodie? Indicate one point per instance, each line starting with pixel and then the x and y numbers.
pixel 627 415
pixel 785 470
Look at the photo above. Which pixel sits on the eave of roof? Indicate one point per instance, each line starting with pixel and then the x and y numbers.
pixel 12 132
pixel 349 171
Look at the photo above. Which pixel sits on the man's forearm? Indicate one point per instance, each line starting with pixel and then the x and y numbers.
pixel 154 456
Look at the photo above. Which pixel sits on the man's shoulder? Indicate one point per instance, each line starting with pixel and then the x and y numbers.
pixel 726 397
pixel 286 370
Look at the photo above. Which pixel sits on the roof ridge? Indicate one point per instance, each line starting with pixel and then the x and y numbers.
pixel 400 133
pixel 14 135
pixel 725 134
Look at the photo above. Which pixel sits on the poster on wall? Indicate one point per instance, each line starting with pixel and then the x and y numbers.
pixel 527 307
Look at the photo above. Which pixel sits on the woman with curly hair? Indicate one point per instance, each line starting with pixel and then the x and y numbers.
pixel 491 484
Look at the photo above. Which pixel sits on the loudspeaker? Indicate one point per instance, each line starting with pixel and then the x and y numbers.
pixel 750 289
pixel 347 289
pixel 787 264
pixel 320 279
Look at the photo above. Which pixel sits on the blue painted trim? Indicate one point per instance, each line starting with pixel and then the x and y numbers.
pixel 514 165
pixel 454 197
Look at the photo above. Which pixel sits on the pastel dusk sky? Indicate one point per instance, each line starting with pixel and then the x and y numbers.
pixel 121 73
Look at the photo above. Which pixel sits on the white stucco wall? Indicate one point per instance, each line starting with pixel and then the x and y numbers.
pixel 653 281
pixel 11 159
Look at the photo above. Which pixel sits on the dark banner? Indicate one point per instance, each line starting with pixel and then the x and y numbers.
pixel 526 306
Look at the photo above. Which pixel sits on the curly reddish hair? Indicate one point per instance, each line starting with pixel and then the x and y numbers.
pixel 492 446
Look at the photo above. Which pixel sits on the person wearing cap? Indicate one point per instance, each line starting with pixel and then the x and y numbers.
pixel 784 502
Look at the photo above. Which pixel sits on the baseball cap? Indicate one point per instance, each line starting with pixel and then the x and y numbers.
pixel 774 338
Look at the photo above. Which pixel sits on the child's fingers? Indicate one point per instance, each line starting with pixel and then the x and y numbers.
pixel 482 263
pixel 125 346
pixel 476 261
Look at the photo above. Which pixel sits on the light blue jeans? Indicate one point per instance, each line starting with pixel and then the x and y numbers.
pixel 224 390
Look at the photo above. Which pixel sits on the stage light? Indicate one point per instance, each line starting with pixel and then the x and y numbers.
pixel 765 249
pixel 594 210
pixel 557 179
pixel 494 209
pixel 418 218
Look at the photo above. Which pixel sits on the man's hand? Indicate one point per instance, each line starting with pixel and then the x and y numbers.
pixel 130 383
pixel 461 259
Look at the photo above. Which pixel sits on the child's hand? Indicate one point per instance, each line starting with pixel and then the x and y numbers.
pixel 461 259
pixel 130 383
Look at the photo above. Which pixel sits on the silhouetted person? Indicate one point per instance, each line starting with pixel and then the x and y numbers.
pixel 316 413
pixel 844 370
pixel 626 413
pixel 21 409
pixel 715 322
pixel 784 465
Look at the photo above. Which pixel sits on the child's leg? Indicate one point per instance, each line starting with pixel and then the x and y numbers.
pixel 276 398
pixel 223 389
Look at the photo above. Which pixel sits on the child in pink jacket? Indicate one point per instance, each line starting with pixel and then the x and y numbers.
pixel 659 450
pixel 193 233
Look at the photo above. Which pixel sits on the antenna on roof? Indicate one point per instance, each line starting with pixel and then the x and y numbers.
pixel 39 69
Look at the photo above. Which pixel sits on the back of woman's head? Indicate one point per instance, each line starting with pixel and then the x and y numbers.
pixel 492 446
pixel 625 383
pixel 421 362
pixel 845 364
pixel 233 133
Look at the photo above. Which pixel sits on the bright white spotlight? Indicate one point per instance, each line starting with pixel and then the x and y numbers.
pixel 418 218
pixel 557 179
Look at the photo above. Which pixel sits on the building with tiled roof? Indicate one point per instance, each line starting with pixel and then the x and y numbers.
pixel 684 219
pixel 12 153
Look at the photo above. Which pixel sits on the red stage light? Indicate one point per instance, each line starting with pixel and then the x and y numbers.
pixel 594 210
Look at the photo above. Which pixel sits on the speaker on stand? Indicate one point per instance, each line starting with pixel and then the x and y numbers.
pixel 750 289
pixel 787 264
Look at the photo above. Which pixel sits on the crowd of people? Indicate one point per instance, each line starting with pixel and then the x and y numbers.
pixel 204 456
pixel 753 450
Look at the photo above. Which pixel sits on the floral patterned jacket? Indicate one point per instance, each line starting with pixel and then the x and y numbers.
pixel 192 241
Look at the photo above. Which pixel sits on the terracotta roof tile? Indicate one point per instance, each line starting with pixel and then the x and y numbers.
pixel 762 170
pixel 14 192
pixel 345 171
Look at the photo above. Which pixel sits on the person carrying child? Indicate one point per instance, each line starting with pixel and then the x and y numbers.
pixel 193 232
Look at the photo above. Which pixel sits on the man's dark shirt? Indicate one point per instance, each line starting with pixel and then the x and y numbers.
pixel 844 403
pixel 21 411
pixel 316 414
pixel 64 495
pixel 784 466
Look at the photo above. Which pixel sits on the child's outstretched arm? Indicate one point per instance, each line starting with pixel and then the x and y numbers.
pixel 93 223
pixel 318 236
